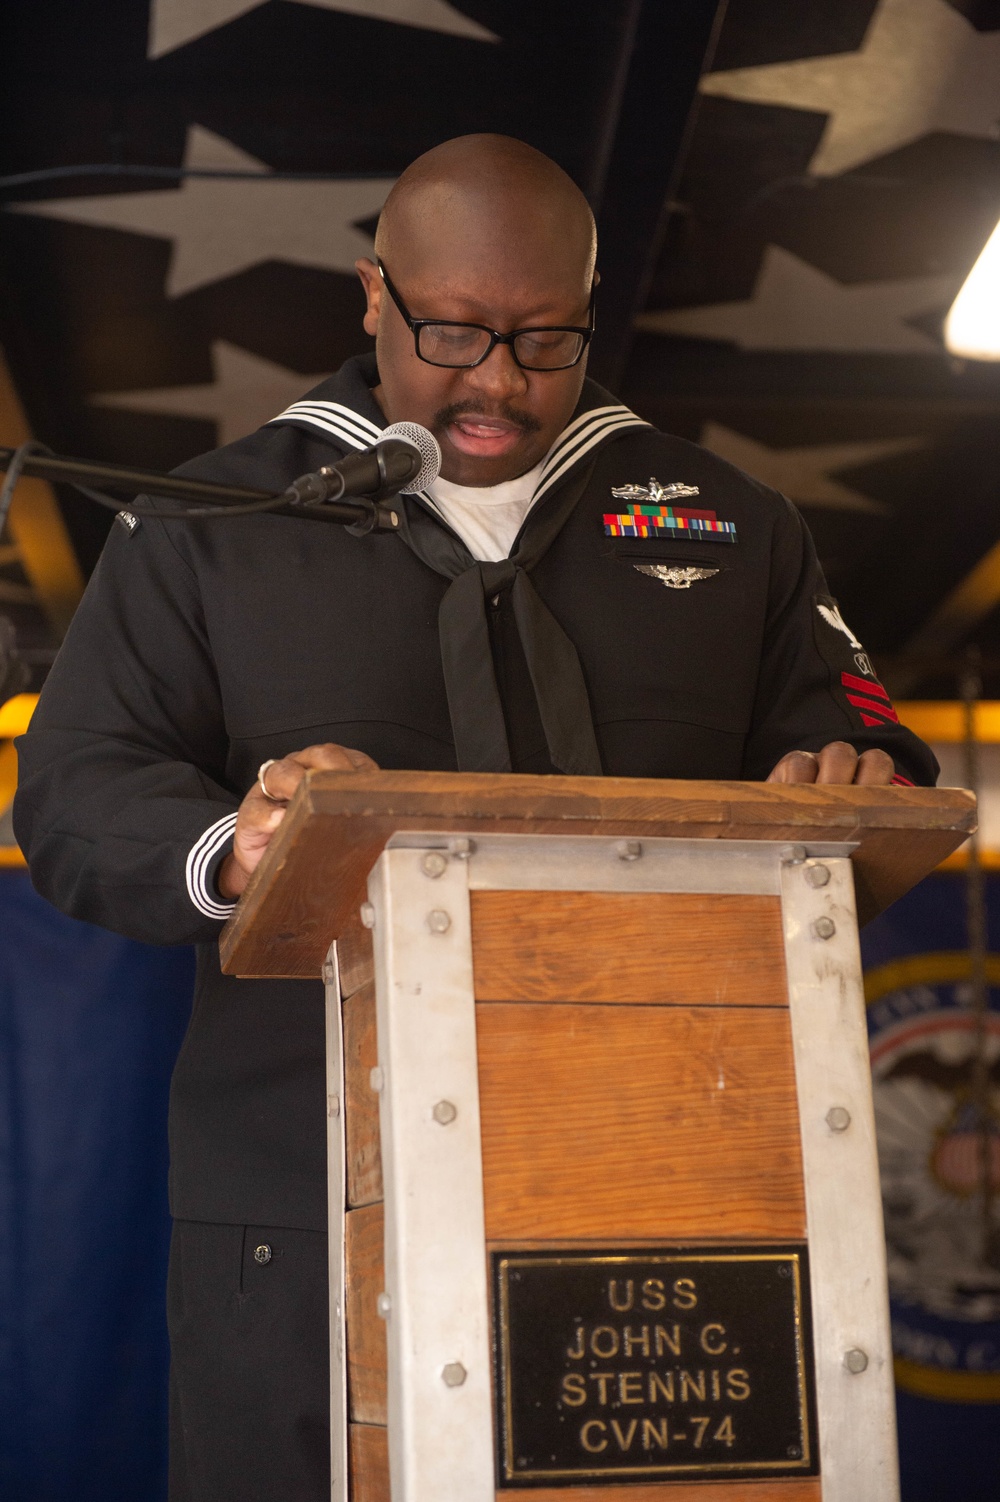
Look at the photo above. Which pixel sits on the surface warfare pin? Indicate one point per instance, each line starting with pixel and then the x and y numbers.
pixel 650 517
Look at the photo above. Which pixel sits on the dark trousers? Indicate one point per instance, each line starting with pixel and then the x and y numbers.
pixel 247 1308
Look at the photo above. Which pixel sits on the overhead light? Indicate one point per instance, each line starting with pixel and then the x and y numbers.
pixel 972 328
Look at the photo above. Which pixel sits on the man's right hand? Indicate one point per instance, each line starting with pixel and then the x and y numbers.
pixel 259 817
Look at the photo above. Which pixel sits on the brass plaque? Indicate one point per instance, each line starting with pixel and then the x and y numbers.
pixel 690 1362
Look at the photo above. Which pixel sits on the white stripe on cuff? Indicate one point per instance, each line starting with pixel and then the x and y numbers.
pixel 198 861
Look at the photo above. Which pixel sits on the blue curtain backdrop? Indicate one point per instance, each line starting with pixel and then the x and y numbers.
pixel 90 1025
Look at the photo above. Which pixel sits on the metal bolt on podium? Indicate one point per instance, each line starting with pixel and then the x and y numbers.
pixel 454 1374
pixel 818 875
pixel 856 1361
pixel 838 1119
pixel 444 1112
pixel 438 921
pixel 434 864
pixel 824 928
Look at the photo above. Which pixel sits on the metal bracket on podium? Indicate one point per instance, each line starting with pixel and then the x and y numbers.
pixel 336 1158
pixel 853 1354
pixel 435 1300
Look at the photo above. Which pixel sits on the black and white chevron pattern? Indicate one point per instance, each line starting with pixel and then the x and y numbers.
pixel 198 862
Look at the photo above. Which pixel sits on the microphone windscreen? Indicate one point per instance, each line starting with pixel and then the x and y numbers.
pixel 427 447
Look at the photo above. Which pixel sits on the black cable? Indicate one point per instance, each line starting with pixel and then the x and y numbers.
pixel 779 185
pixel 172 174
pixel 39 462
pixel 122 477
pixel 184 514
pixel 24 451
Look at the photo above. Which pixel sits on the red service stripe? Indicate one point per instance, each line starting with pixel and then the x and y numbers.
pixel 867 719
pixel 874 707
pixel 864 685
pixel 903 782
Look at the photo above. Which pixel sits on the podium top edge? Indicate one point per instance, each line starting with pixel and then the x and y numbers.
pixel 311 880
pixel 639 801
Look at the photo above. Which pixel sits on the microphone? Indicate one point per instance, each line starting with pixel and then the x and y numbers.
pixel 406 458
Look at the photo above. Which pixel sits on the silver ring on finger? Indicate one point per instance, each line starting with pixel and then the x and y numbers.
pixel 261 774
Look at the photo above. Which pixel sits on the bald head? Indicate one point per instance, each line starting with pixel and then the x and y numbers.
pixel 482 230
pixel 482 195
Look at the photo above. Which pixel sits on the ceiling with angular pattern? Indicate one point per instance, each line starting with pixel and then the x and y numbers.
pixel 789 197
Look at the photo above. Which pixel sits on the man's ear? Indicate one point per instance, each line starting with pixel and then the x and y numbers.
pixel 372 283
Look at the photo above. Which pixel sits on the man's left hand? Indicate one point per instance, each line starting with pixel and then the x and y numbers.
pixel 839 763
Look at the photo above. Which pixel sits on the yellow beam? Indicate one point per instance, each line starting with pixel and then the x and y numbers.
pixel 943 720
pixel 35 523
pixel 10 855
pixel 933 720
pixel 8 774
pixel 946 1386
pixel 959 613
pixel 15 716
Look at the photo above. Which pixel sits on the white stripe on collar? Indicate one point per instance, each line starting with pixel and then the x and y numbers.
pixel 576 439
pixel 586 433
pixel 580 428
pixel 333 417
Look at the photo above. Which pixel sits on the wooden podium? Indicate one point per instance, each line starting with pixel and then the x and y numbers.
pixel 604 1200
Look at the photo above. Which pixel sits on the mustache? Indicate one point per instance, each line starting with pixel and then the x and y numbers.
pixel 522 420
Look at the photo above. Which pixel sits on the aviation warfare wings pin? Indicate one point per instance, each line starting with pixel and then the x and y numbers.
pixel 673 577
pixel 652 515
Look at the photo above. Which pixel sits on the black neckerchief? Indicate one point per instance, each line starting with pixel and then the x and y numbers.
pixel 344 409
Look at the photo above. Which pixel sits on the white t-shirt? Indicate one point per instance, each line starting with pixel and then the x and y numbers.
pixel 486 518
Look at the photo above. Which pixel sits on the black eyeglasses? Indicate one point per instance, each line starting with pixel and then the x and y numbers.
pixel 460 346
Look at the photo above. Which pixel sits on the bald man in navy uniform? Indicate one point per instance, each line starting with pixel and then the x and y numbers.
pixel 577 592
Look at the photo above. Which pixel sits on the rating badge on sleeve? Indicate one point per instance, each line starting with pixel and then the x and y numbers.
pixel 653 514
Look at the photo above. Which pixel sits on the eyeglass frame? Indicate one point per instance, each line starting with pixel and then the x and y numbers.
pixel 416 324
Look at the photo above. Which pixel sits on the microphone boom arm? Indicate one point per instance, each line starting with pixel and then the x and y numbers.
pixel 360 513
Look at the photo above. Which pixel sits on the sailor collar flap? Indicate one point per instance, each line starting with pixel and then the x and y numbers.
pixel 344 410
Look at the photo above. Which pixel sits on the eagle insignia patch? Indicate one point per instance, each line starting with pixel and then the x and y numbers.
pixel 673 577
pixel 831 614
